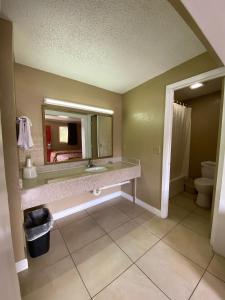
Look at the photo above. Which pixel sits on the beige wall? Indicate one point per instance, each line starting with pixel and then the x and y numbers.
pixel 204 130
pixel 33 85
pixel 9 285
pixel 143 119
pixel 8 110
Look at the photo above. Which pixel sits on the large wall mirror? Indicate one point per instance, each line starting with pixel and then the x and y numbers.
pixel 72 135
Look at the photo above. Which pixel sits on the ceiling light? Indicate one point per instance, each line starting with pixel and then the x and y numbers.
pixel 196 85
pixel 77 106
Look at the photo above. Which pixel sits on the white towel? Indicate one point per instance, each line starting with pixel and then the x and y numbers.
pixel 25 140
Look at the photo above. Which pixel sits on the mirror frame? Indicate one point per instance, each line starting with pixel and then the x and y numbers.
pixel 71 110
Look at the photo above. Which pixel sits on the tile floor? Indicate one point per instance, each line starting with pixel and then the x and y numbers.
pixel 118 250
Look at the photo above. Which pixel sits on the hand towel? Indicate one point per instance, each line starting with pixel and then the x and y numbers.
pixel 25 140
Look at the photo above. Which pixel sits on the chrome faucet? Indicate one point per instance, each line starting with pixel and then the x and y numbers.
pixel 90 163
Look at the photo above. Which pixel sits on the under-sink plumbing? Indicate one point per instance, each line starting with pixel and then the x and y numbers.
pixel 90 163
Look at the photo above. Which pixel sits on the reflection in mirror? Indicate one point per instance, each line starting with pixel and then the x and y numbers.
pixel 71 135
pixel 101 136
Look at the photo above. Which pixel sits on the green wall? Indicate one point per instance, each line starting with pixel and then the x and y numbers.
pixel 143 118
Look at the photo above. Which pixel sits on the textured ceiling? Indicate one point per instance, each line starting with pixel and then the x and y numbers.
pixel 112 44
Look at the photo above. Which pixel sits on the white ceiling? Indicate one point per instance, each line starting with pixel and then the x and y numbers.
pixel 112 44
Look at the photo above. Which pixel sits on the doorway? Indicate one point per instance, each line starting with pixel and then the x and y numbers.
pixel 168 123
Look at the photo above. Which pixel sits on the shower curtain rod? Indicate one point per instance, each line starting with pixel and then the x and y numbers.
pixel 180 103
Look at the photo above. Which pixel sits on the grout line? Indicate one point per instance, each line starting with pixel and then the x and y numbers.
pixel 114 280
pixel 153 282
pixel 90 215
pixel 105 232
pixel 76 267
pixel 180 223
pixel 45 267
pixel 200 234
pixel 48 265
pixel 78 219
pixel 185 255
pixel 160 239
pixel 133 262
pixel 201 278
pixel 214 274
pixel 192 230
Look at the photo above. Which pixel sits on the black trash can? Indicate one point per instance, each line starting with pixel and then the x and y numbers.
pixel 37 225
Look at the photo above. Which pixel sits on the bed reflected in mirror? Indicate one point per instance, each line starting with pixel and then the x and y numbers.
pixel 74 135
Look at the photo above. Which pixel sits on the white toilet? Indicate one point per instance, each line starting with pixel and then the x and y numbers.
pixel 204 185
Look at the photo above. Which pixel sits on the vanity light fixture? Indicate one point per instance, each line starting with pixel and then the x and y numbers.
pixel 196 85
pixel 78 106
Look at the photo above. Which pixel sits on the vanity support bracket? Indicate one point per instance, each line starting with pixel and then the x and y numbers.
pixel 134 189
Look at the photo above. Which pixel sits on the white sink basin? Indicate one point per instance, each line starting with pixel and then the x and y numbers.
pixel 96 169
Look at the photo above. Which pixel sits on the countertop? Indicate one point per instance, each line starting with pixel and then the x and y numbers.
pixel 55 185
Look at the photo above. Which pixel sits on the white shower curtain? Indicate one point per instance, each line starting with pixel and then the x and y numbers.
pixel 181 136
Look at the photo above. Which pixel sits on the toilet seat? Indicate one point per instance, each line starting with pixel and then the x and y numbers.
pixel 204 181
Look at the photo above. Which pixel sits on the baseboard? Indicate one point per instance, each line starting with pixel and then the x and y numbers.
pixel 143 204
pixel 75 209
pixel 21 265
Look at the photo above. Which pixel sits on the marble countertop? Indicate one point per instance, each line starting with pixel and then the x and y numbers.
pixel 58 184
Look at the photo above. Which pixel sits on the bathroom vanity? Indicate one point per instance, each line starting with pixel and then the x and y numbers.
pixel 59 183
pixel 72 134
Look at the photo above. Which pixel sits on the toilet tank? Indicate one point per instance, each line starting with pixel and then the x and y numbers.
pixel 208 169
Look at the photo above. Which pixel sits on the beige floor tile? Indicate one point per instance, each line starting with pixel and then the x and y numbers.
pixel 131 285
pixel 204 212
pixel 99 263
pixel 110 218
pixel 99 207
pixel 156 225
pixel 143 219
pixel 56 252
pixel 209 288
pixel 80 233
pixel 133 238
pixel 71 218
pixel 198 224
pixel 174 274
pixel 184 201
pixel 190 244
pixel 217 266
pixel 117 200
pixel 177 213
pixel 57 282
pixel 129 208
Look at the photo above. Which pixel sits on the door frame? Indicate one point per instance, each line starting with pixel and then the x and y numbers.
pixel 168 122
